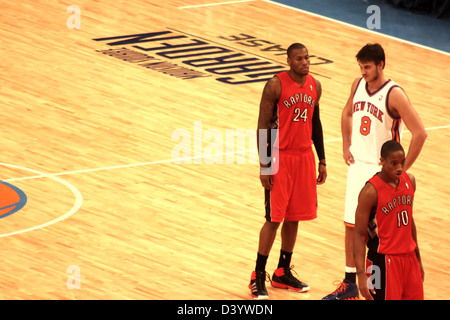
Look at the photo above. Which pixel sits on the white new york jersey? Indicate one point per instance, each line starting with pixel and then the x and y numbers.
pixel 373 124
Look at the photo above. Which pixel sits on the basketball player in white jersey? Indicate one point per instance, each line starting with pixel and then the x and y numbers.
pixel 376 111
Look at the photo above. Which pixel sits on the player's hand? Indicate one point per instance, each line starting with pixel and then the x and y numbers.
pixel 322 174
pixel 363 285
pixel 266 178
pixel 348 157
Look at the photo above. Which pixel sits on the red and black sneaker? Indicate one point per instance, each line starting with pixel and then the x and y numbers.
pixel 257 285
pixel 284 279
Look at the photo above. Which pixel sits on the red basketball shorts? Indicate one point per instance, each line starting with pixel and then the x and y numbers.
pixel 395 276
pixel 294 193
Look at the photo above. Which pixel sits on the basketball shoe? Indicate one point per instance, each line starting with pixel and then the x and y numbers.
pixel 284 279
pixel 257 285
pixel 345 291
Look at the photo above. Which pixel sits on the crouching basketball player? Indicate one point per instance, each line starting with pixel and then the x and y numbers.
pixel 384 217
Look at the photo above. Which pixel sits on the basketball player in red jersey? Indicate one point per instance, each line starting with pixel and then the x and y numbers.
pixel 384 216
pixel 289 110
pixel 376 111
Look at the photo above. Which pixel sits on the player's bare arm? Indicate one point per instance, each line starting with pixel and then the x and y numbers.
pixel 414 231
pixel 367 200
pixel 270 96
pixel 346 125
pixel 319 90
pixel 413 180
pixel 400 106
pixel 417 250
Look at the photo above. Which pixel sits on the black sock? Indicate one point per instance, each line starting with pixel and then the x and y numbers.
pixel 285 259
pixel 350 276
pixel 261 263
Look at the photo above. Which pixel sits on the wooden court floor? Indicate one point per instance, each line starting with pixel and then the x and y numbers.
pixel 120 134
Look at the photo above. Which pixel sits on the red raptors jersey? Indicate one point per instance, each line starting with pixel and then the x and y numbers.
pixel 389 226
pixel 293 113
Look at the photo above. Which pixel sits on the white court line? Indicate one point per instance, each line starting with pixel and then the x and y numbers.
pixel 357 27
pixel 213 4
pixel 75 208
pixel 124 166
pixel 141 164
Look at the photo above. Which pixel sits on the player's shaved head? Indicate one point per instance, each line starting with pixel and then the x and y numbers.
pixel 293 47
pixel 389 147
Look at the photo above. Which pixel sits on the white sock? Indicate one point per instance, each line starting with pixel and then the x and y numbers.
pixel 350 269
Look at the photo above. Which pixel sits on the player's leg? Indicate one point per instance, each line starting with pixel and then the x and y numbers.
pixel 302 206
pixel 289 232
pixel 348 289
pixel 283 277
pixel 350 266
pixel 413 281
pixel 275 207
pixel 267 237
pixel 259 275
pixel 394 277
pixel 354 185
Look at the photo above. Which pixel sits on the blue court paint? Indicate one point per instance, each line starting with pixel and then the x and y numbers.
pixel 421 28
pixel 13 206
